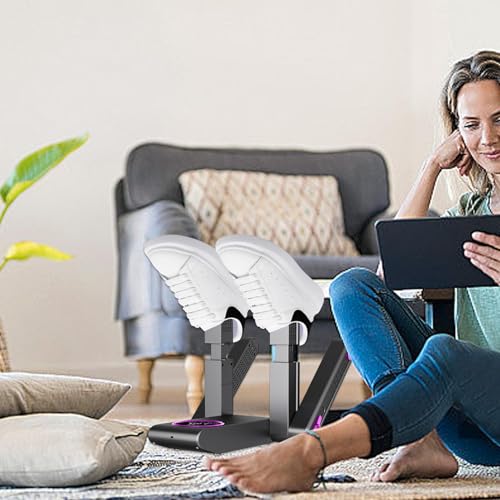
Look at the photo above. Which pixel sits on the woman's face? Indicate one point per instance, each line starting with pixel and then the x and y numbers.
pixel 478 109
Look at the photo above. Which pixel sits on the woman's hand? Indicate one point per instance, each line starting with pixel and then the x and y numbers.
pixel 452 153
pixel 485 255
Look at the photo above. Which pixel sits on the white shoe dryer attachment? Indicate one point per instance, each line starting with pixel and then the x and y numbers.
pixel 199 281
pixel 273 284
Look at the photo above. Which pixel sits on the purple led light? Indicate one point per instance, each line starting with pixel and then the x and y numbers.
pixel 318 422
pixel 198 423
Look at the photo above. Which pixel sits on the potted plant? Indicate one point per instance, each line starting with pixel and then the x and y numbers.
pixel 28 171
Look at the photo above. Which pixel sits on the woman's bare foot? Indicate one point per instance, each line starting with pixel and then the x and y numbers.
pixel 425 458
pixel 291 465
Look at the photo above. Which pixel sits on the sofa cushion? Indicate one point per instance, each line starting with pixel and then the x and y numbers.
pixel 300 213
pixel 22 393
pixel 328 267
pixel 56 450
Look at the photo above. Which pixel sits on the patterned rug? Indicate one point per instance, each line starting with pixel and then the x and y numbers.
pixel 172 474
pixel 471 482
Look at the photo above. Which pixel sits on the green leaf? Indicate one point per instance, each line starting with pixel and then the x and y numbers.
pixel 24 250
pixel 36 165
pixel 16 190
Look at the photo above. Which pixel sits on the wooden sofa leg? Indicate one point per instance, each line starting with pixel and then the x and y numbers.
pixel 194 367
pixel 145 367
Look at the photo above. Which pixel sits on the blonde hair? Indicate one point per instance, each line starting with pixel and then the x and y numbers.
pixel 484 65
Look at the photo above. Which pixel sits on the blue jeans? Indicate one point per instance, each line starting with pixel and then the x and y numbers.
pixel 421 380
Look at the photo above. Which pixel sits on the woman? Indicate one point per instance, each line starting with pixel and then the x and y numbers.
pixel 432 393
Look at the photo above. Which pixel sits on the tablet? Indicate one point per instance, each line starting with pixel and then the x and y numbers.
pixel 428 252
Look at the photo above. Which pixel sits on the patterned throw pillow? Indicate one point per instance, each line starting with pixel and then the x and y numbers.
pixel 300 213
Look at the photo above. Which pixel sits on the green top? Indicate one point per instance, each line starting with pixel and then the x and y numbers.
pixel 477 310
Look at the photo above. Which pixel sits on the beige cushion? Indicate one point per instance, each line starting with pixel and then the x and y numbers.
pixel 64 449
pixel 22 393
pixel 300 213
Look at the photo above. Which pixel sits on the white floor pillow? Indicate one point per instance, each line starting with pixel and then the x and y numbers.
pixel 55 450
pixel 23 393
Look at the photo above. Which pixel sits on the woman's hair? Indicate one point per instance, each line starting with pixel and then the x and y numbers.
pixel 484 65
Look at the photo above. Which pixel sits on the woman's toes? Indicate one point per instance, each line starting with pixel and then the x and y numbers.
pixel 233 478
pixel 227 470
pixel 214 465
pixel 391 474
pixel 375 477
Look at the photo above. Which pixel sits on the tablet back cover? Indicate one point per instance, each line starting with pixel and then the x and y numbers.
pixel 428 252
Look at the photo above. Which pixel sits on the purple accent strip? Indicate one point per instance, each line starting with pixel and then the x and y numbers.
pixel 198 423
pixel 318 422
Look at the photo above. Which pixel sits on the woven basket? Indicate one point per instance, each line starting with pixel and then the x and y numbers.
pixel 4 354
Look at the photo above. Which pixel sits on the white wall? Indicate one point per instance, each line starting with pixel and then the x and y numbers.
pixel 321 75
pixel 442 32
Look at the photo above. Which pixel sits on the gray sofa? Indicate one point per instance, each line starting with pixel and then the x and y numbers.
pixel 149 203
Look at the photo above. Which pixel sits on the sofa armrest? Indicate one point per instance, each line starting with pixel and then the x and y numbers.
pixel 368 237
pixel 139 288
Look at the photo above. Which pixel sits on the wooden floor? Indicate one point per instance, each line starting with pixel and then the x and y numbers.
pixel 252 399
